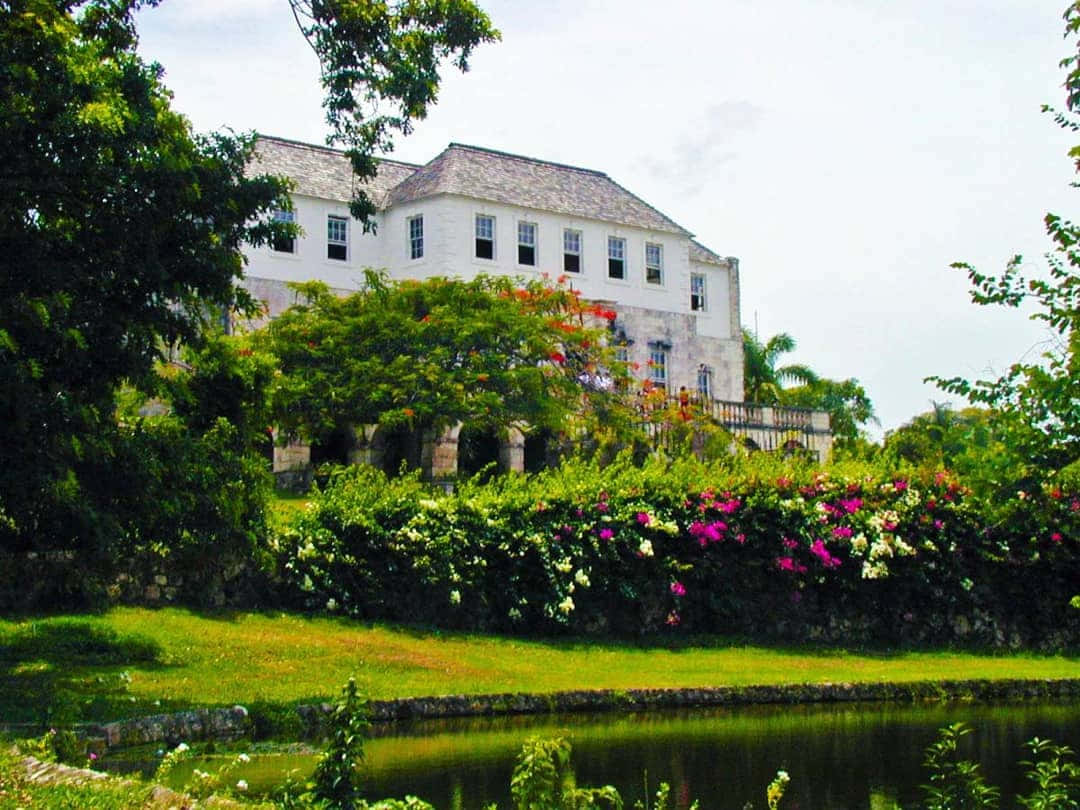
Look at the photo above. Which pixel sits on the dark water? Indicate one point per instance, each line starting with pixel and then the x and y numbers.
pixel 838 756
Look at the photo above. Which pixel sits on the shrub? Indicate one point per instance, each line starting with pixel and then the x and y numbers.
pixel 763 549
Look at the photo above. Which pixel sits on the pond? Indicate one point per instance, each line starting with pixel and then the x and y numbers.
pixel 838 756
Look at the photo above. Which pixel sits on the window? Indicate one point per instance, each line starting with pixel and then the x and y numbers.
pixel 654 263
pixel 284 244
pixel 704 381
pixel 485 237
pixel 697 292
pixel 416 237
pixel 337 238
pixel 527 243
pixel 571 251
pixel 616 257
pixel 622 354
pixel 658 364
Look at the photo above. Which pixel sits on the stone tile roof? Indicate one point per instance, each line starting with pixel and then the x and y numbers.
pixel 486 174
pixel 319 171
pixel 470 171
pixel 700 253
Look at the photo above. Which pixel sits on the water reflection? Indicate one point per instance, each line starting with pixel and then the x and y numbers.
pixel 847 756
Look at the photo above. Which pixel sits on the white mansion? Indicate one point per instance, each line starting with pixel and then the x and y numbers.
pixel 472 210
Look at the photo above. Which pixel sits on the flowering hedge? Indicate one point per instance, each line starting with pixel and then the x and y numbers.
pixel 763 551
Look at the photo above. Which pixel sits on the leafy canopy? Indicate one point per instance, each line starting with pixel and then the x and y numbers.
pixel 380 68
pixel 764 382
pixel 1037 401
pixel 122 232
pixel 486 352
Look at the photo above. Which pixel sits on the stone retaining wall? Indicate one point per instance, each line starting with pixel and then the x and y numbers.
pixel 235 723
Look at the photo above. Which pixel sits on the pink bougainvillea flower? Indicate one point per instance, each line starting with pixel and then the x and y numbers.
pixel 672 619
pixel 899 485
pixel 1056 537
pixel 842 532
pixel 817 548
pixel 643 518
pixel 606 534
pixel 851 505
pixel 678 589
pixel 789 564
pixel 939 524
pixel 601 507
pixel 787 542
pixel 740 538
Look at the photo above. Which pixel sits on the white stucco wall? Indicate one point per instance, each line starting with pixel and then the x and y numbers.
pixel 310 261
pixel 647 312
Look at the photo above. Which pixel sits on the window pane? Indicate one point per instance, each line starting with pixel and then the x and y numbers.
pixel 526 233
pixel 572 241
pixel 485 227
pixel 526 255
pixel 571 263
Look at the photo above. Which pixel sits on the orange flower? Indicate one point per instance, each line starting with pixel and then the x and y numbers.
pixel 482 377
pixel 408 412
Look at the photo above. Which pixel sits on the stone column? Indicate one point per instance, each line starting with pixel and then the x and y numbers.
pixel 363 450
pixel 292 465
pixel 439 454
pixel 512 451
pixel 291 456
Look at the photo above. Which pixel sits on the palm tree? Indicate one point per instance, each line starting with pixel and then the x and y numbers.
pixel 763 380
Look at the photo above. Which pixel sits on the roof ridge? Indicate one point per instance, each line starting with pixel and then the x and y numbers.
pixel 341 152
pixel 525 158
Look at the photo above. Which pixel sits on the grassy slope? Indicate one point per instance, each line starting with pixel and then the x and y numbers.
pixel 173 658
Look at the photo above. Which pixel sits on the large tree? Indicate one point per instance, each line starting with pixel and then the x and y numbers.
pixel 433 353
pixel 1037 403
pixel 122 232
pixel 122 229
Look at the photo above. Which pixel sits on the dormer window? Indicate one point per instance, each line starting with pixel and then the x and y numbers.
pixel 654 263
pixel 527 243
pixel 485 237
pixel 616 261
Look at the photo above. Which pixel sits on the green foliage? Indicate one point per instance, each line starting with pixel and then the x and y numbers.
pixel 1036 400
pixel 955 784
pixel 336 781
pixel 764 383
pixel 434 353
pixel 1055 777
pixel 763 380
pixel 543 780
pixel 761 548
pixel 380 68
pixel 122 230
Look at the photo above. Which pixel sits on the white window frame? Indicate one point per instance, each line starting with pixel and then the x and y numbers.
pixel 658 357
pixel 281 215
pixel 705 381
pixel 573 235
pixel 698 298
pixel 337 220
pixel 656 267
pixel 616 251
pixel 524 235
pixel 416 236
pixel 477 237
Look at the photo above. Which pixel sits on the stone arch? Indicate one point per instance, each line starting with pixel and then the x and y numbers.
pixel 393 448
pixel 479 446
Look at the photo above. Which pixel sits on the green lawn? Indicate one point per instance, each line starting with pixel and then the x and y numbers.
pixel 134 661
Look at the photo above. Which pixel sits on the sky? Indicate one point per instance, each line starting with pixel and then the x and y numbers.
pixel 845 151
